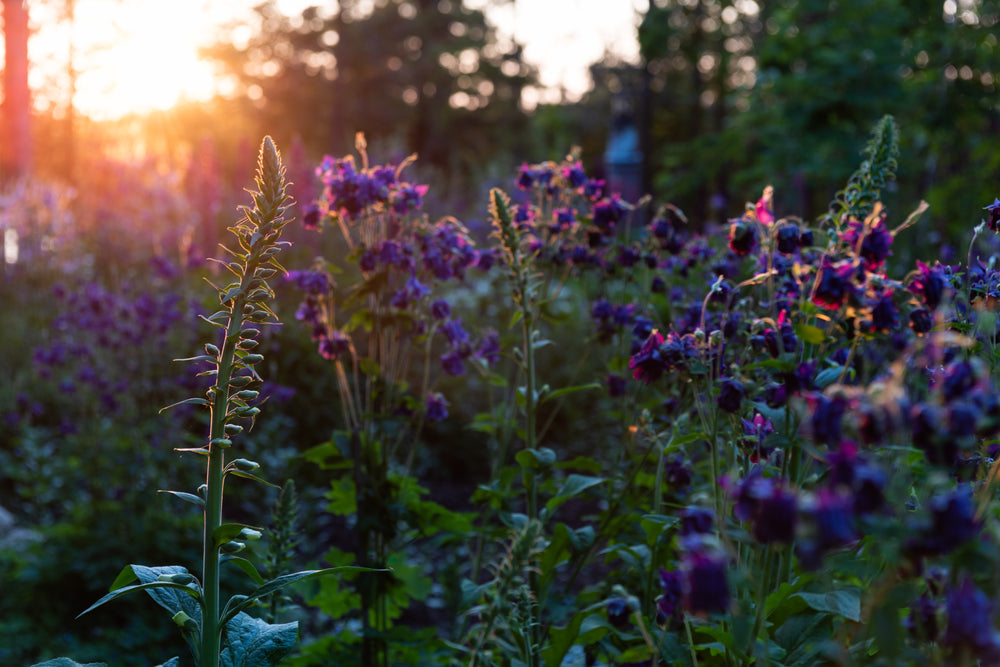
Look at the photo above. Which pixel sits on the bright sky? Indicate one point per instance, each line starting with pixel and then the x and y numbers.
pixel 141 55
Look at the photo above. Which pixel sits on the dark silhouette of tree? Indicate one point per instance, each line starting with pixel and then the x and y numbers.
pixel 424 76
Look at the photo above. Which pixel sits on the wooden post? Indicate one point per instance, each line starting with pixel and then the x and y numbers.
pixel 16 135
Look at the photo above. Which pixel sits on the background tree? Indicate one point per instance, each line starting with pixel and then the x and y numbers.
pixel 16 135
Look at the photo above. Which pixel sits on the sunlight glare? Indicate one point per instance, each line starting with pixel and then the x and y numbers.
pixel 140 56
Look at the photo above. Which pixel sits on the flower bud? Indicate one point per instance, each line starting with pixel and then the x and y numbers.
pixel 203 490
pixel 238 381
pixel 246 344
pixel 182 578
pixel 211 349
pixel 248 395
pixel 245 465
pixel 250 535
pixel 233 429
pixel 252 359
pixel 221 442
pixel 181 619
pixel 233 547
pixel 250 333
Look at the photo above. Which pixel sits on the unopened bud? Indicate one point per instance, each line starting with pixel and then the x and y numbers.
pixel 715 338
pixel 211 349
pixel 182 578
pixel 245 465
pixel 181 619
pixel 233 429
pixel 250 535
pixel 203 490
pixel 232 547
pixel 248 394
pixel 238 381
pixel 251 359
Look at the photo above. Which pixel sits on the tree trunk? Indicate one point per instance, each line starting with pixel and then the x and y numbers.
pixel 17 158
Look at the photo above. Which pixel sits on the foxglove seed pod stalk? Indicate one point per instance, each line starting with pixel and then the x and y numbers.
pixel 243 301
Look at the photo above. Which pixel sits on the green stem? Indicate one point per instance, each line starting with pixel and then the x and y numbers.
pixel 211 636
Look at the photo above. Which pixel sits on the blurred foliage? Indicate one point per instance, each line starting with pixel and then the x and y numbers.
pixel 744 94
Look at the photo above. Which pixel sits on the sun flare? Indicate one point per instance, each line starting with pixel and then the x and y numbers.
pixel 135 57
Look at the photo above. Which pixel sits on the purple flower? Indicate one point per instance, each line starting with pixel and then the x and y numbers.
pixel 930 284
pixel 608 212
pixel 876 242
pixel 827 414
pixel 456 335
pixel 777 516
pixel 574 175
pixel 788 238
pixel 489 348
pixel 970 623
pixel 453 363
pixel 731 393
pixel 440 309
pixel 437 407
pixel 696 521
pixel 834 285
pixel 311 216
pixel 618 612
pixel 953 523
pixel 647 365
pixel 921 320
pixel 334 345
pixel 742 236
pixel 706 590
pixel 994 220
pixel 669 603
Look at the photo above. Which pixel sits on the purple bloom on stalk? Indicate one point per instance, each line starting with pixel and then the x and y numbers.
pixel 334 345
pixel 452 363
pixel 876 242
pixel 437 407
pixel 921 321
pixel 731 393
pixel 608 212
pixel 453 331
pixel 742 236
pixel 884 313
pixel 489 348
pixel 959 379
pixel 406 198
pixel 970 624
pixel 922 621
pixel 755 431
pixel 834 285
pixel 677 473
pixel 575 175
pixel 788 238
pixel 831 521
pixel 526 177
pixel 696 521
pixel 930 284
pixel 440 309
pixel 706 590
pixel 618 612
pixel 310 216
pixel 777 516
pixel 827 414
pixel 994 212
pixel 668 603
pixel 647 365
pixel 953 523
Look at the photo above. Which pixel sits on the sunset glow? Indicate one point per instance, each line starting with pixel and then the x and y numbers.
pixel 142 55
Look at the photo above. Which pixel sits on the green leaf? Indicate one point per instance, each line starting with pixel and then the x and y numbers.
pixel 285 580
pixel 189 497
pixel 187 401
pixel 66 662
pixel 246 566
pixel 246 475
pixel 569 390
pixel 636 654
pixel 251 642
pixel 536 459
pixel 842 603
pixel 655 524
pixel 573 486
pixel 173 662
pixel 809 333
pixel 164 593
pixel 828 376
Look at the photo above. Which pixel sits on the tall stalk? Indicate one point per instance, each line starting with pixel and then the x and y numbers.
pixel 243 310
